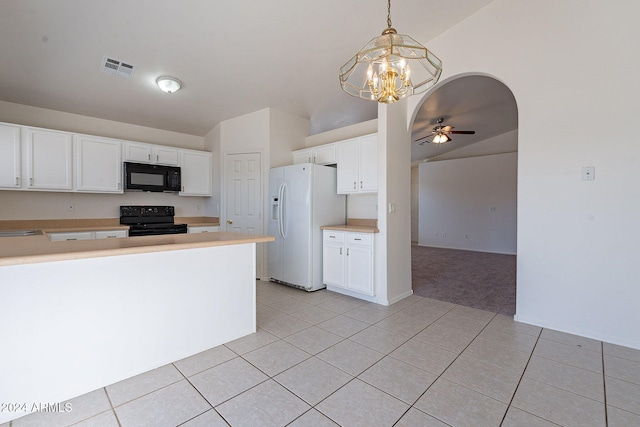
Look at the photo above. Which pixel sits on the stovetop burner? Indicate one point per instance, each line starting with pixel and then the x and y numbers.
pixel 150 220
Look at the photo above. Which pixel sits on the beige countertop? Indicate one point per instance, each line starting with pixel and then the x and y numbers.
pixel 356 225
pixel 351 228
pixel 36 249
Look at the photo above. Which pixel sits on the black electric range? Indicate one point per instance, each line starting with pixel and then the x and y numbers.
pixel 150 220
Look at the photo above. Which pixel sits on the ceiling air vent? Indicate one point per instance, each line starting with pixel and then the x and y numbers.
pixel 115 66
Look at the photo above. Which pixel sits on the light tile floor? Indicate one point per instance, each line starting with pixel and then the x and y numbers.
pixel 323 359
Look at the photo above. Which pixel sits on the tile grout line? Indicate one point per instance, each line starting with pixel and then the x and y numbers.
pixel 445 370
pixel 112 407
pixel 604 386
pixel 520 381
pixel 198 391
pixel 356 376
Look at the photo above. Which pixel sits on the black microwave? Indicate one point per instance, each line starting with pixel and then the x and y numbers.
pixel 156 178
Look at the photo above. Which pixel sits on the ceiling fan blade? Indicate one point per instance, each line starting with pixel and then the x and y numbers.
pixel 465 132
pixel 423 137
pixel 446 129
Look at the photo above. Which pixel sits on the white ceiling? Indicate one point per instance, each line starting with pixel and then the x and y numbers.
pixel 478 103
pixel 233 57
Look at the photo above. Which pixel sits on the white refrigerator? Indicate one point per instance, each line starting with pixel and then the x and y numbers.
pixel 302 198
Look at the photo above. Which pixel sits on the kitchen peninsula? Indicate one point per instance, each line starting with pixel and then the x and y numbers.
pixel 80 315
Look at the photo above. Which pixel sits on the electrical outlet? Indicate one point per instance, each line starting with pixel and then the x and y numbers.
pixel 71 207
pixel 588 173
pixel 197 207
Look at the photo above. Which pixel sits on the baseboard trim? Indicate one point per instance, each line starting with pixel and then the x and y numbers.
pixel 578 331
pixel 397 298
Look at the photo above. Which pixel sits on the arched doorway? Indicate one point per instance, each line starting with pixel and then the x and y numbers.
pixel 465 211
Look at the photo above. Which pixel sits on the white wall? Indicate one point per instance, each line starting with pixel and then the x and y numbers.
pixel 48 205
pixel 393 257
pixel 273 134
pixel 51 119
pixel 470 203
pixel 575 81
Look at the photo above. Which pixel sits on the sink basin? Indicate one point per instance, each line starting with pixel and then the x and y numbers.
pixel 20 233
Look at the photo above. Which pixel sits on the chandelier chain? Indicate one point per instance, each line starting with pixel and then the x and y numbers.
pixel 389 13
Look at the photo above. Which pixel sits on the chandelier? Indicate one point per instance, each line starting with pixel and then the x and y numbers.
pixel 390 67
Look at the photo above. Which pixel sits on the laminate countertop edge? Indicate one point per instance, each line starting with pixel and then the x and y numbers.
pixel 351 228
pixel 38 249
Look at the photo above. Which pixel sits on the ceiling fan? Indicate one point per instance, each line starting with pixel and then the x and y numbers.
pixel 441 133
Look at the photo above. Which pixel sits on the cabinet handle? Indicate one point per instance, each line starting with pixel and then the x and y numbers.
pixel 347 251
pixel 332 237
pixel 17 180
pixel 354 185
pixel 149 156
pixel 31 181
pixel 361 185
pixel 157 157
pixel 340 251
pixel 314 159
pixel 309 159
pixel 357 239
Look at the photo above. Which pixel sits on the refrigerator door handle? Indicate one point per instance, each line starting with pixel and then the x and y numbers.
pixel 283 211
pixel 280 210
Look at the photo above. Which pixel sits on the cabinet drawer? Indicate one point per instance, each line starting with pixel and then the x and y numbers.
pixel 365 239
pixel 61 237
pixel 111 234
pixel 331 236
pixel 204 229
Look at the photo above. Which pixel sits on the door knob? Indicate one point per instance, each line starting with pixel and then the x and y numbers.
pixel 229 221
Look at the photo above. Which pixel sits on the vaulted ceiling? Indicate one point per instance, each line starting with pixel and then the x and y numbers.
pixel 233 57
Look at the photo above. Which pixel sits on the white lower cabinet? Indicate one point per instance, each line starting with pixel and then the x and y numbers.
pixel 203 229
pixel 348 262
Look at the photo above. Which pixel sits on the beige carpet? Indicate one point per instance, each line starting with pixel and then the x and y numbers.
pixel 475 279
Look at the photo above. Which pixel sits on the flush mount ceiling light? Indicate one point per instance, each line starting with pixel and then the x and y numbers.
pixel 390 67
pixel 169 84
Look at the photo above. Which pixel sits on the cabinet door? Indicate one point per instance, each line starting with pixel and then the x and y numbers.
pixel 368 163
pixel 302 156
pixel 49 160
pixel 347 153
pixel 10 170
pixel 195 170
pixel 360 269
pixel 98 164
pixel 333 265
pixel 165 155
pixel 325 155
pixel 137 152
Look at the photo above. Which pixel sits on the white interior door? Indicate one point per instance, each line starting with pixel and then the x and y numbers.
pixel 243 198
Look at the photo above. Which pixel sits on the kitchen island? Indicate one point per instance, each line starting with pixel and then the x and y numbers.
pixel 80 315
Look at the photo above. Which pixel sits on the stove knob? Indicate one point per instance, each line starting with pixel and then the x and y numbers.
pixel 155 210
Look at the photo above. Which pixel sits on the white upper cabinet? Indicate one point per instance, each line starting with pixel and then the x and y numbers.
pixel 98 164
pixel 195 168
pixel 358 165
pixel 368 163
pixel 48 156
pixel 140 152
pixel 10 168
pixel 320 155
